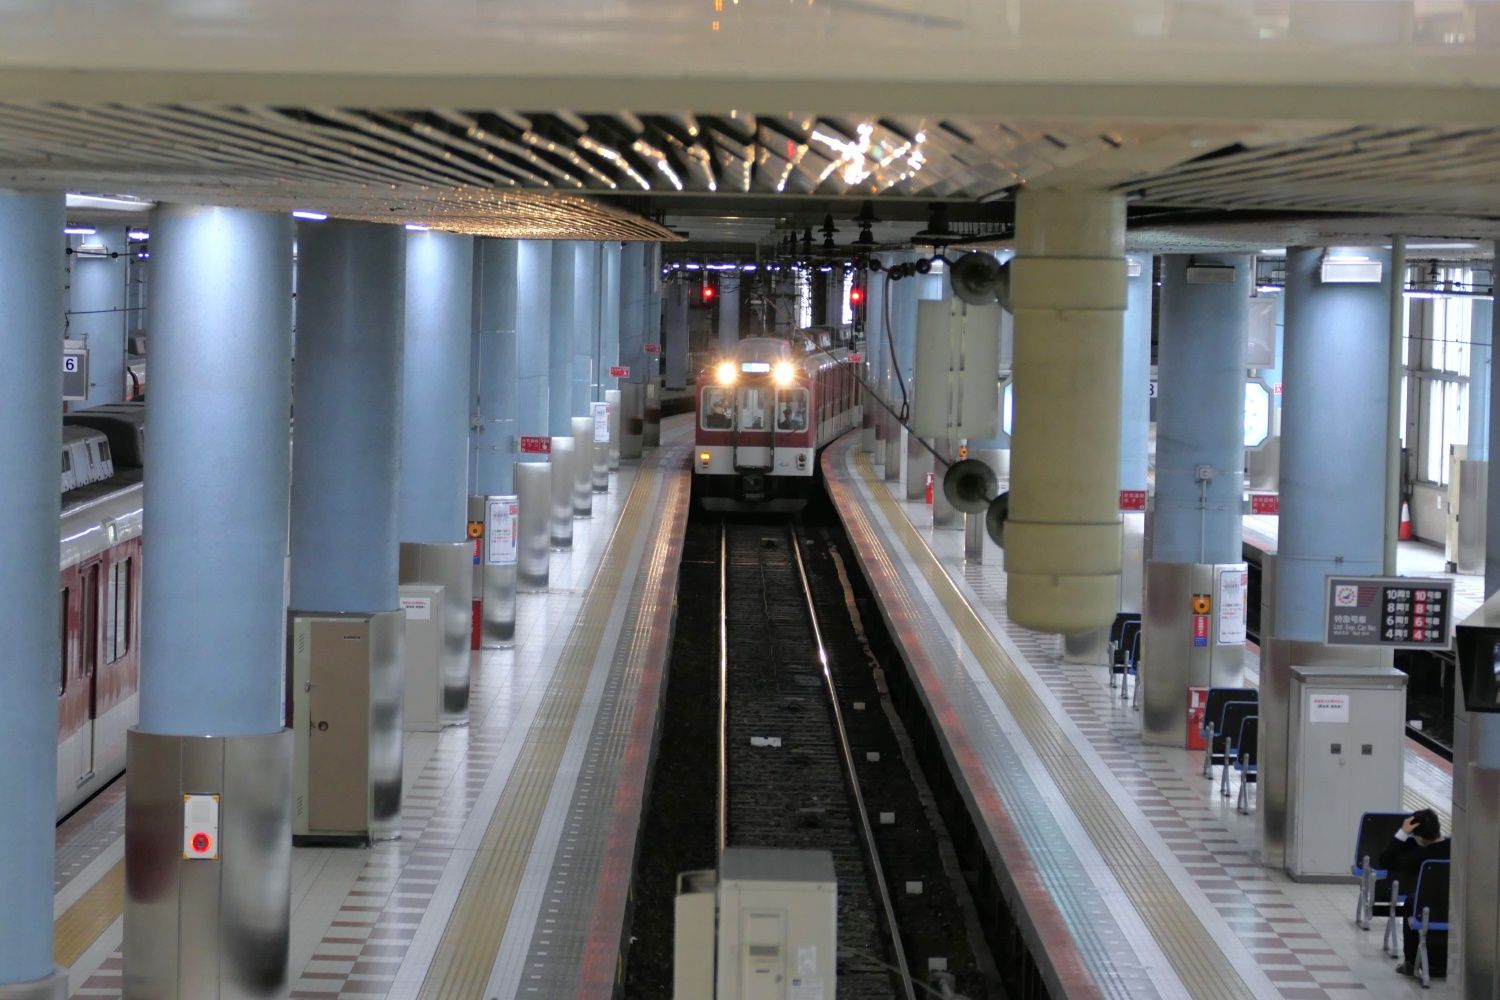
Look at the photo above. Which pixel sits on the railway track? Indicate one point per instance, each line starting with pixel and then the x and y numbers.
pixel 787 775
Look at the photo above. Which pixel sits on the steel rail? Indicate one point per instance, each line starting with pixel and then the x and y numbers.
pixel 851 776
pixel 722 820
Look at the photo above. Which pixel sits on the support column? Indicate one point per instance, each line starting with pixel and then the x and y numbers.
pixel 609 354
pixel 994 451
pixel 1332 504
pixel 729 310
pixel 31 385
pixel 498 364
pixel 586 325
pixel 212 613
pixel 1200 461
pixel 675 334
pixel 633 305
pixel 433 513
pixel 1068 288
pixel 96 310
pixel 1135 427
pixel 563 338
pixel 918 461
pixel 351 304
pixel 651 371
pixel 872 428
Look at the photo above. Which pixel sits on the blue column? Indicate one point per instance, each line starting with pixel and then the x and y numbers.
pixel 1135 405
pixel 1201 411
pixel 562 338
pixel 31 276
pixel 220 321
pixel 347 460
pixel 1481 358
pixel 633 303
pixel 675 334
pixel 729 310
pixel 497 370
pixel 586 324
pixel 1333 438
pixel 435 413
pixel 96 310
pixel 904 323
pixel 607 351
pixel 534 304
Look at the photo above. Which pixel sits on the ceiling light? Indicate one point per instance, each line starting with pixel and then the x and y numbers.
pixel 79 230
pixel 415 228
pixel 1351 271
pixel 303 213
pixel 108 204
pixel 138 234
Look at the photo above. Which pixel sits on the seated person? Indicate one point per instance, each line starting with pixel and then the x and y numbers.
pixel 786 422
pixel 1419 839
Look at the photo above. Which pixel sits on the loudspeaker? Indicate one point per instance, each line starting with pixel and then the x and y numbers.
pixel 995 518
pixel 970 485
pixel 979 279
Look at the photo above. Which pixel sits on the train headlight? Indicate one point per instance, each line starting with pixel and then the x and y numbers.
pixel 783 373
pixel 725 373
pixel 704 457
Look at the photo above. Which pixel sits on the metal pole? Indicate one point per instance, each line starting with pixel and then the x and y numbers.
pixel 1393 403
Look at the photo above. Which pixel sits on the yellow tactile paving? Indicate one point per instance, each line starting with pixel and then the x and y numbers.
pixel 1200 963
pixel 461 967
pixel 81 924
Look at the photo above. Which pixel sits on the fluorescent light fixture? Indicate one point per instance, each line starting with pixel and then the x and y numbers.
pixel 138 234
pixel 1133 266
pixel 143 255
pixel 109 204
pixel 694 267
pixel 1351 271
pixel 1442 246
pixel 413 227
pixel 1268 288
pixel 1274 252
pixel 1424 293
pixel 747 267
pixel 79 230
pixel 303 213
pixel 92 250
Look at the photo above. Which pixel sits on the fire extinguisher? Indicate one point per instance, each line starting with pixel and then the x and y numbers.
pixel 929 488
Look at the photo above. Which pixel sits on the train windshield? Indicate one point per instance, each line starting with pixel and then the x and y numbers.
pixel 754 401
pixel 718 409
pixel 791 410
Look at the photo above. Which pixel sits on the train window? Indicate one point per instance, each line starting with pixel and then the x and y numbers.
pixel 752 408
pixel 117 612
pixel 791 410
pixel 62 636
pixel 104 451
pixel 718 409
pixel 67 462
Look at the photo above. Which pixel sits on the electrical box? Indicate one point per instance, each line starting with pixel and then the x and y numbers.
pixel 422 604
pixel 1346 731
pixel 778 925
pixel 693 940
pixel 957 370
pixel 200 828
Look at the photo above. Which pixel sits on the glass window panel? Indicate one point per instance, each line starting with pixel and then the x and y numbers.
pixel 1435 461
pixel 791 410
pixel 718 409
pixel 752 408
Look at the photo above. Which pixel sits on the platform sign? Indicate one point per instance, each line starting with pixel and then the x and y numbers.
pixel 1396 612
pixel 500 517
pixel 1132 499
pixel 75 366
pixel 856 358
pixel 619 371
pixel 653 348
pixel 600 413
pixel 1265 503
pixel 531 445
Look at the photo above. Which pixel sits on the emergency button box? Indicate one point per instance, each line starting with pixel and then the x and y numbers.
pixel 200 828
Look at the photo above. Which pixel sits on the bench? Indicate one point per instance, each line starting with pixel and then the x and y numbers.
pixel 1376 830
pixel 1429 911
pixel 1233 715
pixel 1246 746
pixel 1119 641
pixel 1213 709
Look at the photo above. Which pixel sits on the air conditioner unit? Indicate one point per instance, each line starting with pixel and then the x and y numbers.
pixel 1352 271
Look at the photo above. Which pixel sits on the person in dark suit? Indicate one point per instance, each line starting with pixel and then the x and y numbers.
pixel 1419 839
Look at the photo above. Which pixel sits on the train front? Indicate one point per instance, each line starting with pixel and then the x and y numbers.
pixel 755 447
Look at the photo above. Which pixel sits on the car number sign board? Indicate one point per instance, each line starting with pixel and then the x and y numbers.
pixel 1397 612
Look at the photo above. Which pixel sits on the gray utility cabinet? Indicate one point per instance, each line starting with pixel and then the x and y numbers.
pixel 1346 732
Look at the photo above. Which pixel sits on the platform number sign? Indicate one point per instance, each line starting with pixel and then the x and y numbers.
pixel 75 372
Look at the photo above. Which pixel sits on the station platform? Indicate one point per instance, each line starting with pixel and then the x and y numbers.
pixel 511 877
pixel 1135 877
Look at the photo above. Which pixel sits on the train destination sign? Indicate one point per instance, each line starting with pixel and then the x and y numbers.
pixel 1397 612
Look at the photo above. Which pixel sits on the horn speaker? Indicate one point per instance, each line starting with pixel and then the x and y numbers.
pixel 995 518
pixel 979 279
pixel 969 485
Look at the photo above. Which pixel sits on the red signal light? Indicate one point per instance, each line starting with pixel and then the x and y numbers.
pixel 708 293
pixel 856 295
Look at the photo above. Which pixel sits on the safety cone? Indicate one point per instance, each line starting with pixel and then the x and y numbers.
pixel 1404 533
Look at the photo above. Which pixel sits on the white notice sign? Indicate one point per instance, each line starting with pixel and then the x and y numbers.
pixel 1328 708
pixel 418 609
pixel 1234 584
pixel 500 530
pixel 601 423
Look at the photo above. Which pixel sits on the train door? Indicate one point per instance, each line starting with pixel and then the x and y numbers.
pixel 88 659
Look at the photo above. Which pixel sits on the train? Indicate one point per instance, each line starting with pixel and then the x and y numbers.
pixel 765 408
pixel 99 597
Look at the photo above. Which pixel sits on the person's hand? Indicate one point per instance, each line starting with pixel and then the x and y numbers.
pixel 1409 825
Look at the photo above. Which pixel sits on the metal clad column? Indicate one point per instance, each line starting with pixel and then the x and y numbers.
pixel 496 376
pixel 633 278
pixel 1068 287
pixel 609 353
pixel 1135 425
pixel 212 603
pixel 433 511
pixel 1332 491
pixel 31 385
pixel 96 310
pixel 675 335
pixel 586 323
pixel 562 338
pixel 1200 428
pixel 346 463
pixel 651 371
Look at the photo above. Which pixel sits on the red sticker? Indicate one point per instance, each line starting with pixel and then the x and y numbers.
pixel 653 348
pixel 536 445
pixel 1265 503
pixel 1132 499
pixel 619 371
